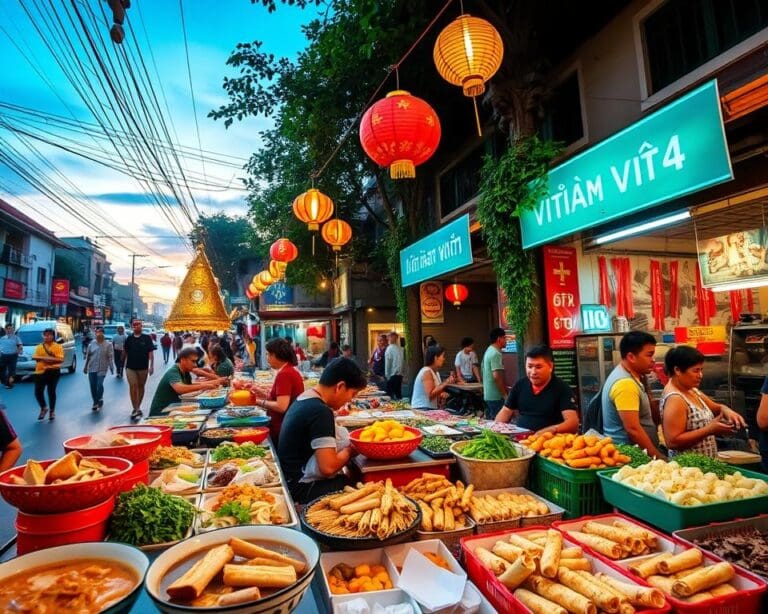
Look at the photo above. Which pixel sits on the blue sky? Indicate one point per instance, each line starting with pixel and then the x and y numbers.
pixel 213 29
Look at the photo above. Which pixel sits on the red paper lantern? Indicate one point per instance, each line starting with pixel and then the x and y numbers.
pixel 456 293
pixel 336 233
pixel 283 250
pixel 401 131
pixel 250 295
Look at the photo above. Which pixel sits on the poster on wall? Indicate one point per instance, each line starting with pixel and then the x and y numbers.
pixel 60 292
pixel 431 301
pixel 561 284
pixel 738 256
pixel 502 299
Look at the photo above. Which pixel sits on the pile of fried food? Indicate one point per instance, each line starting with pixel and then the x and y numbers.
pixel 548 577
pixel 618 540
pixel 505 506
pixel 577 451
pixel 685 576
pixel 241 582
pixel 71 467
pixel 376 510
pixel 444 506
pixel 163 457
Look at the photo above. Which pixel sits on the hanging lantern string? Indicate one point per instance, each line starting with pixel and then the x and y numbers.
pixel 316 174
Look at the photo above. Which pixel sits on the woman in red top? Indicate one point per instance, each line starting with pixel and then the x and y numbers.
pixel 288 384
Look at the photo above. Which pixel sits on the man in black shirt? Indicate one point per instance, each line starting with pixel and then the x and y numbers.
pixel 308 448
pixel 541 401
pixel 139 361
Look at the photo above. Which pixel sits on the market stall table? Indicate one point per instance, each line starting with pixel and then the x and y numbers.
pixel 402 470
pixel 466 398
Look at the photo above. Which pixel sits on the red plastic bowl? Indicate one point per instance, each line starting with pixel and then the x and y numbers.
pixel 134 452
pixel 164 430
pixel 254 434
pixel 56 498
pixel 386 450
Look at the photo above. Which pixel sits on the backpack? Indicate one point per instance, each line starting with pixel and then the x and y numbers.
pixel 592 417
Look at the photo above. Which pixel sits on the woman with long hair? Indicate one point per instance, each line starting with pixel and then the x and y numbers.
pixel 428 387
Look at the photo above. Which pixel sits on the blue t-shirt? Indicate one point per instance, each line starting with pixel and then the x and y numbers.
pixel 9 344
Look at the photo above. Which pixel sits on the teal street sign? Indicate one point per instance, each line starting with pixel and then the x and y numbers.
pixel 675 151
pixel 445 250
pixel 595 319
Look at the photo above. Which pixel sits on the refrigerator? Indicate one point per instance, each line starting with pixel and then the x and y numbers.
pixel 747 369
pixel 596 356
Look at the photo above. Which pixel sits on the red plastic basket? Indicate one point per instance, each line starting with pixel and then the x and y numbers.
pixel 133 452
pixel 386 450
pixel 56 498
pixel 254 434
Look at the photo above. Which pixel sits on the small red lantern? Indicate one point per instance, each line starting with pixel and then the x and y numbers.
pixel 336 233
pixel 250 295
pixel 283 250
pixel 456 293
pixel 400 131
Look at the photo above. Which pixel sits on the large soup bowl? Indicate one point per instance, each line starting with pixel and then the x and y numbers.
pixel 126 555
pixel 282 601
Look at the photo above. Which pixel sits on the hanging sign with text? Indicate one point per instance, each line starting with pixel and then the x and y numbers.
pixel 675 151
pixel 60 291
pixel 445 250
pixel 561 284
pixel 431 301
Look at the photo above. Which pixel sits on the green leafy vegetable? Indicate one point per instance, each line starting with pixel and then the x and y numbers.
pixel 490 446
pixel 228 450
pixel 705 463
pixel 238 510
pixel 436 443
pixel 146 516
pixel 638 456
pixel 188 477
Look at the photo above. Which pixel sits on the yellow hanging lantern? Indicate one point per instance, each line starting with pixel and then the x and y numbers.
pixel 336 233
pixel 265 278
pixel 277 269
pixel 313 208
pixel 257 285
pixel 467 53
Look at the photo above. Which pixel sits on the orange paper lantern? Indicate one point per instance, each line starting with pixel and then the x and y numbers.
pixel 277 269
pixel 456 293
pixel 250 295
pixel 336 233
pixel 265 278
pixel 283 250
pixel 401 131
pixel 254 289
pixel 313 208
pixel 256 283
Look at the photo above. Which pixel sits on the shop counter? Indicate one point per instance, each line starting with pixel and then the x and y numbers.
pixel 402 470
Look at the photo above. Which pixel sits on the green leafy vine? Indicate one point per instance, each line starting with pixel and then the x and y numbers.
pixel 509 185
pixel 396 239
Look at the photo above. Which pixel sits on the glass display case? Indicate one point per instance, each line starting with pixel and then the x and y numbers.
pixel 596 356
pixel 748 367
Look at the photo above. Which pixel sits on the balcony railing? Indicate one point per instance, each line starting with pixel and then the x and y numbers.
pixel 11 255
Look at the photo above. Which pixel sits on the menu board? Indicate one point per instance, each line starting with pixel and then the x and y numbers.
pixel 565 367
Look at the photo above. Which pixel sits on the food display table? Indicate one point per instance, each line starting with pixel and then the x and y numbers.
pixel 403 470
pixel 467 398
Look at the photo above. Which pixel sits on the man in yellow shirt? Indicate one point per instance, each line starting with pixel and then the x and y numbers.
pixel 49 355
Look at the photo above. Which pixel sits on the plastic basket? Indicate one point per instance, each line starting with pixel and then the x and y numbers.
pixel 577 491
pixel 386 450
pixel 133 452
pixel 669 517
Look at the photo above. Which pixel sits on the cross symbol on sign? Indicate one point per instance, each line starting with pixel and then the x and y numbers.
pixel 562 273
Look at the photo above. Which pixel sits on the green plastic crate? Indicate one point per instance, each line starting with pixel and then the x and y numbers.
pixel 670 517
pixel 577 491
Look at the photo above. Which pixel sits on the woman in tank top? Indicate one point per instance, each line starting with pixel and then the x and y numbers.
pixel 428 385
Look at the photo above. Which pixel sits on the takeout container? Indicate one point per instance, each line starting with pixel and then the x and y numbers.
pixel 38 531
pixel 123 554
pixel 386 450
pixel 132 452
pixel 282 601
pixel 492 474
pixel 69 497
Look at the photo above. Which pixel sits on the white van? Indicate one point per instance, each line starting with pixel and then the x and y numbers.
pixel 31 336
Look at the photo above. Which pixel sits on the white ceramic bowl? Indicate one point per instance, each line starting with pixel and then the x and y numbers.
pixel 280 602
pixel 120 553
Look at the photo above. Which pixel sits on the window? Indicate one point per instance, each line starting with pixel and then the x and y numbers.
pixel 42 275
pixel 684 34
pixel 461 183
pixel 563 121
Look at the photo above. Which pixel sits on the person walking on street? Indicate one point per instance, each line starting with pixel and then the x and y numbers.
pixel 48 355
pixel 166 342
pixel 118 343
pixel 376 361
pixel 394 366
pixel 139 361
pixel 10 348
pixel 98 358
pixel 176 345
pixel 494 387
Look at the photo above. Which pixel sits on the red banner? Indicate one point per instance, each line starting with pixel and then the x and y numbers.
pixel 605 285
pixel 60 292
pixel 561 284
pixel 657 296
pixel 705 300
pixel 750 301
pixel 674 290
pixel 737 306
pixel 623 274
pixel 14 289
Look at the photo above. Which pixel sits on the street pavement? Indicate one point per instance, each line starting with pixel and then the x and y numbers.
pixel 42 440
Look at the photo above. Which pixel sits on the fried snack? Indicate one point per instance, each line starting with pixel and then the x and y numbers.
pixel 550 557
pixel 193 582
pixel 680 562
pixel 496 564
pixel 530 548
pixel 537 604
pixel 603 599
pixel 579 564
pixel 244 595
pixel 647 567
pixel 703 579
pixel 600 544
pixel 562 595
pixel 637 595
pixel 664 583
pixel 262 576
pixel 574 552
pixel 615 534
pixel 516 573
pixel 722 589
pixel 252 551
pixel 443 504
pixel 34 474
pixel 638 531
pixel 64 468
pixel 625 607
pixel 507 551
pixel 505 506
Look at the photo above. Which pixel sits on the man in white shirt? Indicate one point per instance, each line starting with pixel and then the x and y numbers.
pixel 467 366
pixel 394 366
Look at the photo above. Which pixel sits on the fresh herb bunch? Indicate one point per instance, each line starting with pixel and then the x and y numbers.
pixel 238 510
pixel 638 456
pixel 436 443
pixel 145 516
pixel 227 451
pixel 705 463
pixel 490 446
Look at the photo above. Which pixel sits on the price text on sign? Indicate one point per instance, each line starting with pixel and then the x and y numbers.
pixel 595 319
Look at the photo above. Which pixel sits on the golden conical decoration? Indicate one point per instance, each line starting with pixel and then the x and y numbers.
pixel 198 305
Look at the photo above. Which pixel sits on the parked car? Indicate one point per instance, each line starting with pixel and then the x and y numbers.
pixel 31 336
pixel 110 330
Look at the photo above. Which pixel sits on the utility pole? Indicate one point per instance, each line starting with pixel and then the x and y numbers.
pixel 133 276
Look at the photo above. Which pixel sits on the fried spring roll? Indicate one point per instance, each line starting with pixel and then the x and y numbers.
pixel 262 576
pixel 337 503
pixel 495 563
pixel 580 564
pixel 722 589
pixel 710 576
pixel 604 599
pixel 638 531
pixel 517 572
pixel 637 595
pixel 615 534
pixel 686 572
pixel 647 567
pixel 507 551
pixel 625 607
pixel 251 551
pixel 562 595
pixel 193 582
pixel 574 552
pixel 537 604
pixel 663 583
pixel 550 558
pixel 244 595
pixel 680 562
pixel 599 544
pixel 530 548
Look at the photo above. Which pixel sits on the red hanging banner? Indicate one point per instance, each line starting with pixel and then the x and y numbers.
pixel 618 274
pixel 750 301
pixel 605 285
pixel 702 300
pixel 561 285
pixel 629 305
pixel 674 290
pixel 657 296
pixel 737 305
